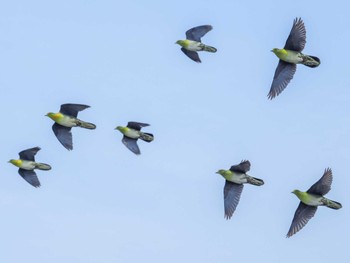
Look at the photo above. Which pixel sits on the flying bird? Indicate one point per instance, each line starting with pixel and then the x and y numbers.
pixel 235 177
pixel 193 43
pixel 131 133
pixel 310 200
pixel 65 119
pixel 27 164
pixel 289 56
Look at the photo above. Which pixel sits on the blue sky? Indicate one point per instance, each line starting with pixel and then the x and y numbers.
pixel 100 202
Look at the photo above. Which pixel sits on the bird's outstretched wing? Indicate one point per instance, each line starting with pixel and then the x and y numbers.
pixel 131 144
pixel 322 186
pixel 243 167
pixel 232 194
pixel 192 55
pixel 196 33
pixel 29 154
pixel 297 36
pixel 72 109
pixel 302 215
pixel 283 75
pixel 64 135
pixel 136 125
pixel 30 177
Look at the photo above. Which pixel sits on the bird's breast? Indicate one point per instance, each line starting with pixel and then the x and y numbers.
pixel 27 165
pixel 131 133
pixel 290 56
pixel 67 121
pixel 193 45
pixel 236 178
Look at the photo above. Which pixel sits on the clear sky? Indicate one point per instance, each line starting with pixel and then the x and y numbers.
pixel 102 203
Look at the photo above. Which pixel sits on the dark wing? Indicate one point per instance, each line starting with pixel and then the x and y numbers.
pixel 196 33
pixel 297 36
pixel 302 215
pixel 30 177
pixel 64 135
pixel 192 55
pixel 243 167
pixel 322 186
pixel 131 144
pixel 283 75
pixel 232 194
pixel 72 109
pixel 136 125
pixel 29 154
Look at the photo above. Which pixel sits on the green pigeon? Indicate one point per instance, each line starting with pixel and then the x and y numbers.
pixel 235 178
pixel 310 200
pixel 27 164
pixel 65 119
pixel 289 56
pixel 193 43
pixel 132 132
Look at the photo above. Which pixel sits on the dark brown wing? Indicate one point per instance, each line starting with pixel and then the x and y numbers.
pixel 136 125
pixel 297 36
pixel 72 109
pixel 198 32
pixel 191 54
pixel 64 135
pixel 322 186
pixel 302 215
pixel 29 154
pixel 30 177
pixel 232 194
pixel 283 75
pixel 243 167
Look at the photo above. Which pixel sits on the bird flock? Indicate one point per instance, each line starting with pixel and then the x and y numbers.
pixel 235 177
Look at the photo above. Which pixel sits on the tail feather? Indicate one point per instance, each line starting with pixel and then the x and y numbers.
pixel 147 137
pixel 209 49
pixel 43 166
pixel 311 61
pixel 331 204
pixel 255 181
pixel 87 125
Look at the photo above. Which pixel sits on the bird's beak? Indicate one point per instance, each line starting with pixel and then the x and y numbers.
pixel 271 50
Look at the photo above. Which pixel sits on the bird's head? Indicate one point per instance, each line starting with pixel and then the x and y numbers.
pixel 15 162
pixel 122 129
pixel 221 172
pixel 296 192
pixel 54 116
pixel 180 42
pixel 50 114
pixel 275 50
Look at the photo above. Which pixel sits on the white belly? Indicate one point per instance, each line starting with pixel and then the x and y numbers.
pixel 27 165
pixel 67 121
pixel 194 46
pixel 237 178
pixel 133 134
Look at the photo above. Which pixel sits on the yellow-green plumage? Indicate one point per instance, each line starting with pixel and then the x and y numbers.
pixel 310 200
pixel 235 178
pixel 26 164
pixel 132 132
pixel 65 119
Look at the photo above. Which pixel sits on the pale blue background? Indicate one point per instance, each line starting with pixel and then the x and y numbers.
pixel 100 202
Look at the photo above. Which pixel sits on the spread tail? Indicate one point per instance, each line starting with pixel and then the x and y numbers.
pixel 87 125
pixel 331 204
pixel 43 166
pixel 311 61
pixel 209 49
pixel 147 137
pixel 254 181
